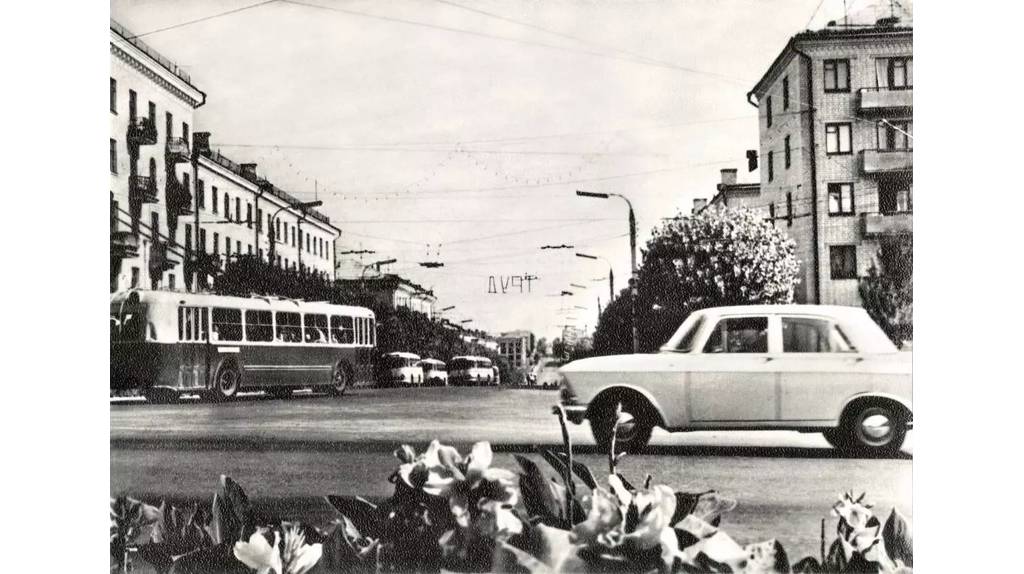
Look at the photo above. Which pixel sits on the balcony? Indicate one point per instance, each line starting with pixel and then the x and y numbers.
pixel 142 131
pixel 143 188
pixel 872 101
pixel 179 198
pixel 177 150
pixel 124 244
pixel 886 224
pixel 161 258
pixel 877 161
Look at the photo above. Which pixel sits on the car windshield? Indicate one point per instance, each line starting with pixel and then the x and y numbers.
pixel 683 339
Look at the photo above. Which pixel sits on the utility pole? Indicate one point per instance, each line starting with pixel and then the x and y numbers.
pixel 200 143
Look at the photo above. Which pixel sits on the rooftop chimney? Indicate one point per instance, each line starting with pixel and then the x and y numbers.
pixel 699 204
pixel 729 176
pixel 248 170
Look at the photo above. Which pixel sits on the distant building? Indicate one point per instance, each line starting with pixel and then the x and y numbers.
pixel 732 194
pixel 835 113
pixel 395 291
pixel 515 347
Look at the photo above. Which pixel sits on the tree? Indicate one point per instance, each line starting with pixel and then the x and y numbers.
pixel 721 256
pixel 541 348
pixel 558 348
pixel 887 291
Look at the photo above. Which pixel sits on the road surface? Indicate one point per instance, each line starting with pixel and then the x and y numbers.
pixel 287 454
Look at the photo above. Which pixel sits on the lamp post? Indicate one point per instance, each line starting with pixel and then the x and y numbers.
pixel 632 257
pixel 273 219
pixel 377 264
pixel 611 273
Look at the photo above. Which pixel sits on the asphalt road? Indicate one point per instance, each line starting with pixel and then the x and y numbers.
pixel 287 454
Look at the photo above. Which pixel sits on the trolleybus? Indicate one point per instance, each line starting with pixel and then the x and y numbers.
pixel 434 372
pixel 165 344
pixel 470 370
pixel 402 369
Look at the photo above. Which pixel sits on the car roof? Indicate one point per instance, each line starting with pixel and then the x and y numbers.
pixel 786 309
pixel 403 355
pixel 256 302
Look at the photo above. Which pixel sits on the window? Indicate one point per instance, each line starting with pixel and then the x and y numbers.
pixel 259 220
pixel 249 250
pixel 840 199
pixel 114 208
pixel 739 335
pixel 227 248
pixel 113 96
pixel 277 229
pixel 227 207
pixel 771 166
pixel 152 114
pixel 837 75
pixel 200 194
pixel 135 278
pixel 227 324
pixel 216 243
pixel 807 335
pixel 900 73
pixel 238 247
pixel 293 236
pixel 768 111
pixel 789 208
pixel 315 328
pixel 785 93
pixel 186 180
pixel 837 139
pixel 132 103
pixel 113 155
pixel 154 226
pixel 202 238
pixel 213 197
pixel 169 124
pixel 789 154
pixel 289 327
pixel 258 326
pixel 170 281
pixel 771 212
pixel 248 214
pixel 184 131
pixel 193 324
pixel 188 236
pixel 894 135
pixel 843 260
pixel 307 242
pixel 895 196
pixel 238 209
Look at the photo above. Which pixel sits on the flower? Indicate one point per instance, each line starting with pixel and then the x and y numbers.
pixel 258 554
pixel 492 492
pixel 433 472
pixel 298 557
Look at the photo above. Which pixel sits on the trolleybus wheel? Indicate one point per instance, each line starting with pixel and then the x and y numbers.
pixel 339 380
pixel 227 382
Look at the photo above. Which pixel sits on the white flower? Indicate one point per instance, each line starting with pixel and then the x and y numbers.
pixel 258 554
pixel 298 556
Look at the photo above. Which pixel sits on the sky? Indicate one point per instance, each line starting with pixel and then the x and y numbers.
pixel 459 131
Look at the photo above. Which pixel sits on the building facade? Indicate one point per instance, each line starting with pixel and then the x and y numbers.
pixel 395 291
pixel 169 207
pixel 516 347
pixel 835 112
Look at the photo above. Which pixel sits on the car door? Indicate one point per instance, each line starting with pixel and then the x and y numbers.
pixel 730 379
pixel 818 370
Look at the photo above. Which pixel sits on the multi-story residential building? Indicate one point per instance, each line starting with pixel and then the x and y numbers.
pixel 151 110
pixel 732 194
pixel 835 112
pixel 395 291
pixel 166 201
pixel 515 347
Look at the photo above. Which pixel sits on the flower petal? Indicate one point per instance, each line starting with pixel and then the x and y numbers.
pixel 479 459
pixel 305 558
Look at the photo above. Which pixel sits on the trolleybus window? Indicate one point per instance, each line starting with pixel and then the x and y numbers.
pixel 342 330
pixel 227 324
pixel 289 327
pixel 259 326
pixel 193 323
pixel 316 328
pixel 371 325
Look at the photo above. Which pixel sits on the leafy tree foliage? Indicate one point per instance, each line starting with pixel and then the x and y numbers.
pixel 887 291
pixel 719 257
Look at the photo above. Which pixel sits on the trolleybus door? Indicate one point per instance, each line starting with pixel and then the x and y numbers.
pixel 193 338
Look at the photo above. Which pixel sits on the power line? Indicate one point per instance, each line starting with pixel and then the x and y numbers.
pixel 435 150
pixel 203 19
pixel 512 40
pixel 633 56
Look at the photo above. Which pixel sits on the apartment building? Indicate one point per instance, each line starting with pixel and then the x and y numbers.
pixel 394 291
pixel 516 347
pixel 835 111
pixel 170 207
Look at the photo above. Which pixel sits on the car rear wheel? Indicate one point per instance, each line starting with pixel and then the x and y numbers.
pixel 632 430
pixel 873 429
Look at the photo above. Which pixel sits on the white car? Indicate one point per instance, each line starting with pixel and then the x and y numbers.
pixel 809 368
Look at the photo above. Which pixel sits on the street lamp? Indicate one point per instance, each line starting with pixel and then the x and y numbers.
pixel 632 257
pixel 611 273
pixel 273 219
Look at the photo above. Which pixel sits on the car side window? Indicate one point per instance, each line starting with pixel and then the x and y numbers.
pixel 739 335
pixel 808 335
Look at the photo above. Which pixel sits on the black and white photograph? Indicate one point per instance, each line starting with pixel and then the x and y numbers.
pixel 511 286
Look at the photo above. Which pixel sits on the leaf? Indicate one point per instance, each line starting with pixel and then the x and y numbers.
pixel 527 560
pixel 557 463
pixel 685 503
pixel 231 512
pixel 808 565
pixel 835 561
pixel 899 542
pixel 365 515
pixel 219 559
pixel 538 496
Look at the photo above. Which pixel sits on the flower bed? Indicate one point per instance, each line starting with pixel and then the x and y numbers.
pixel 458 513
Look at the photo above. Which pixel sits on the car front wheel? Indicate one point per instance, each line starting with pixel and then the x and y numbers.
pixel 632 431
